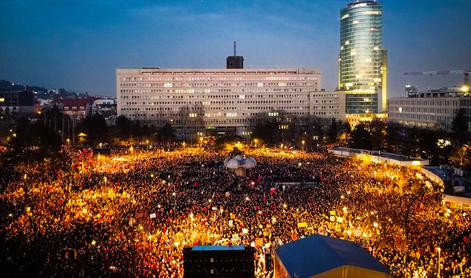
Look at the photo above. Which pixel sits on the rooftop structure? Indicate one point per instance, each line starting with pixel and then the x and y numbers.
pixel 323 256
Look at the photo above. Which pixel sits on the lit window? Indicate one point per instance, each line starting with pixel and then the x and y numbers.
pixel 371 12
pixel 241 96
pixel 400 109
pixel 259 84
pixel 283 127
pixel 168 85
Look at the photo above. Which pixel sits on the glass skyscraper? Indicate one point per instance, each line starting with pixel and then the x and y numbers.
pixel 362 59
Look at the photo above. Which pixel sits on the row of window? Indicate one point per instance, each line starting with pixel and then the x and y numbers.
pixel 196 85
pixel 208 78
pixel 422 102
pixel 291 96
pixel 429 117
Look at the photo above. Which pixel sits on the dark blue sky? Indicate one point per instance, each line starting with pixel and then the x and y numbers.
pixel 79 44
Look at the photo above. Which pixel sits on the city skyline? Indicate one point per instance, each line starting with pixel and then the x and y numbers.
pixel 79 45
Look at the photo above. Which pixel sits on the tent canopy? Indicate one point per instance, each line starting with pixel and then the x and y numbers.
pixel 313 255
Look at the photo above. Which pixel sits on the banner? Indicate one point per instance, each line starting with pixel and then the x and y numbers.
pixel 302 225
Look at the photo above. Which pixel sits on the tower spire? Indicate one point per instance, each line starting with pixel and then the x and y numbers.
pixel 235 48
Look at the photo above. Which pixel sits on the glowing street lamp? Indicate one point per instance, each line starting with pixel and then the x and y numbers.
pixel 465 89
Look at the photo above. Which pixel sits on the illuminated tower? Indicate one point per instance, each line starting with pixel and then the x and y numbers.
pixel 363 60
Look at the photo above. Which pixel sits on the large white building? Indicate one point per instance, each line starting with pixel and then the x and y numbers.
pixel 221 98
pixel 432 109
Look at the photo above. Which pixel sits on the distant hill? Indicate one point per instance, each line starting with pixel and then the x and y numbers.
pixel 40 92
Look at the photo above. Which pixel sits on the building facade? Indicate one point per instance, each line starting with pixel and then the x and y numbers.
pixel 433 109
pixel 78 108
pixel 362 59
pixel 221 98
pixel 104 106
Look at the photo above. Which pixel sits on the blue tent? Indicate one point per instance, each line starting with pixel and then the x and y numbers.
pixel 323 256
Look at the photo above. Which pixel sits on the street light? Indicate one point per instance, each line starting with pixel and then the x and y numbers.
pixel 439 267
pixel 465 89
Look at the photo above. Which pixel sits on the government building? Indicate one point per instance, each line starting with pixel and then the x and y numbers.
pixel 231 99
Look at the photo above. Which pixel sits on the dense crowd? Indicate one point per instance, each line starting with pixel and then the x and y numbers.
pixel 131 213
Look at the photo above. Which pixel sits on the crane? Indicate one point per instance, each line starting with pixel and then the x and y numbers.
pixel 466 73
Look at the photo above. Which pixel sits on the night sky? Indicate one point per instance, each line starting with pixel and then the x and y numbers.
pixel 78 44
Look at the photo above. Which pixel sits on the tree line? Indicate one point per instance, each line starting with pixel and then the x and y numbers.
pixel 48 131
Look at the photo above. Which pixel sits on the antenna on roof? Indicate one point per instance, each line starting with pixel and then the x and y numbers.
pixel 235 62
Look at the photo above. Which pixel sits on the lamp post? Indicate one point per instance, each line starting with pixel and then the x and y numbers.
pixel 439 267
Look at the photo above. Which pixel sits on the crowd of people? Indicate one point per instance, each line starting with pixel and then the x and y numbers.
pixel 132 212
